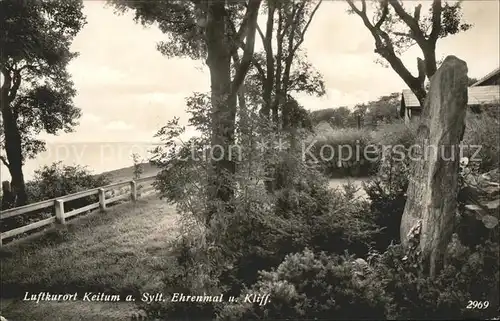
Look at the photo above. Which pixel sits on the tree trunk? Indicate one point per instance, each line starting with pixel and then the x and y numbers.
pixel 432 192
pixel 223 106
pixel 13 150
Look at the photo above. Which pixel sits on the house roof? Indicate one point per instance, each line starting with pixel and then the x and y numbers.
pixel 494 73
pixel 481 95
pixel 409 98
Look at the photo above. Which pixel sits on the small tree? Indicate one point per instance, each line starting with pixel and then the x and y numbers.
pixel 138 167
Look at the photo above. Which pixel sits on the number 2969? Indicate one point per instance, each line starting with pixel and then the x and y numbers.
pixel 478 304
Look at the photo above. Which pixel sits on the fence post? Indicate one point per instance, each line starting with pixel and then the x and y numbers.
pixel 102 199
pixel 59 209
pixel 133 190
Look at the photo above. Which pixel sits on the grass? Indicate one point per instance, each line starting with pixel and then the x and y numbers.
pixel 127 173
pixel 122 251
pixel 338 183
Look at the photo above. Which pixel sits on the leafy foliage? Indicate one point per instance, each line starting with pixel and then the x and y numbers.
pixel 341 152
pixel 481 135
pixel 308 285
pixel 470 274
pixel 35 41
pixel 58 180
pixel 54 181
pixel 382 111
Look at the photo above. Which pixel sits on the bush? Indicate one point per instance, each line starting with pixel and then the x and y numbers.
pixel 482 130
pixel 328 147
pixel 387 190
pixel 471 274
pixel 264 229
pixel 395 133
pixel 194 269
pixel 58 180
pixel 387 204
pixel 312 286
pixel 54 181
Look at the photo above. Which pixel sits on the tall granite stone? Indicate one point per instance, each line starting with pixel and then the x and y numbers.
pixel 431 203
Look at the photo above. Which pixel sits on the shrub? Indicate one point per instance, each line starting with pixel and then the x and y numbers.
pixel 482 130
pixel 58 180
pixel 194 269
pixel 328 147
pixel 306 213
pixel 470 274
pixel 54 181
pixel 387 203
pixel 387 190
pixel 312 286
pixel 263 228
pixel 395 133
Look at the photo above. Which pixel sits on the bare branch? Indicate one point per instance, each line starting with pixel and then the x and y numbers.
pixel 354 8
pixel 385 12
pixel 261 34
pixel 7 78
pixel 362 14
pixel 253 12
pixel 15 85
pixel 307 26
pixel 268 45
pixel 259 68
pixel 436 21
pixel 410 21
pixel 416 13
pixel 4 161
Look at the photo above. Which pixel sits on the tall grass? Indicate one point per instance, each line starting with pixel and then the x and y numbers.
pixel 340 152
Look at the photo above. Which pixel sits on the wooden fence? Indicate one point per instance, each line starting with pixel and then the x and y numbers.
pixel 59 216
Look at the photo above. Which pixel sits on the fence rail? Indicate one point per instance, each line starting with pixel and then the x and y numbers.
pixel 57 204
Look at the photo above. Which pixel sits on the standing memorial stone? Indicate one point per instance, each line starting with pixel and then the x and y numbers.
pixel 431 204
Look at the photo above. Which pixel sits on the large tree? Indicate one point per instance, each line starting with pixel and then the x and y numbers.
pixel 395 29
pixel 383 110
pixel 282 68
pixel 36 91
pixel 213 30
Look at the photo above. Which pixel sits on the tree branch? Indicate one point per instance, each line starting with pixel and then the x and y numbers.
pixel 259 68
pixel 410 21
pixel 4 161
pixel 261 34
pixel 385 48
pixel 307 26
pixel 15 85
pixel 385 12
pixel 436 20
pixel 362 14
pixel 253 12
pixel 7 79
pixel 416 13
pixel 268 45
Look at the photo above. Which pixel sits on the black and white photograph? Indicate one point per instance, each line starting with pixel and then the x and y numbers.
pixel 226 160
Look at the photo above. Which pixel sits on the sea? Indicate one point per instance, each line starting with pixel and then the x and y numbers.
pixel 98 157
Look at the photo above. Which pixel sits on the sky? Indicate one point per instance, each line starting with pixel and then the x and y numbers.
pixel 127 90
